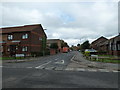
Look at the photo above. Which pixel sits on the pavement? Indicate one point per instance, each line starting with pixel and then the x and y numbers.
pixel 78 62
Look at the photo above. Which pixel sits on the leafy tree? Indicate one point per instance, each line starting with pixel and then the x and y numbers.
pixel 85 45
pixel 78 45
pixel 64 44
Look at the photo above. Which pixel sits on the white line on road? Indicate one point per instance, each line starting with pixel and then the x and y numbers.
pixel 69 69
pixel 56 59
pixel 80 69
pixel 1 66
pixel 72 58
pixel 29 67
pixel 60 62
pixel 43 64
pixel 115 71
pixel 103 70
pixel 93 70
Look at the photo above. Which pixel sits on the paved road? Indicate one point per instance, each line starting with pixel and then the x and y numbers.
pixel 39 78
pixel 59 61
pixel 50 72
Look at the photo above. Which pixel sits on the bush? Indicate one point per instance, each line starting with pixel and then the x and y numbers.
pixel 87 54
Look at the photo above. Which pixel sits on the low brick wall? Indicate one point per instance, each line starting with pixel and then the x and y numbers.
pixel 52 51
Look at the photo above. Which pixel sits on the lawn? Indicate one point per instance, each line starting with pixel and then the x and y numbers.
pixel 106 60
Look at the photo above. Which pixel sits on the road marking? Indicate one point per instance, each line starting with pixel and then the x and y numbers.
pixel 80 69
pixel 29 67
pixel 58 68
pixel 56 59
pixel 1 66
pixel 72 58
pixel 93 70
pixel 69 69
pixel 43 64
pixel 103 70
pixel 49 68
pixel 60 62
pixel 115 71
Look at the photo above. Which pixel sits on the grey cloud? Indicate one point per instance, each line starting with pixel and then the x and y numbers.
pixel 68 21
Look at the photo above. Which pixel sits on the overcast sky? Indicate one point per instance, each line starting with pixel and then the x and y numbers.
pixel 73 22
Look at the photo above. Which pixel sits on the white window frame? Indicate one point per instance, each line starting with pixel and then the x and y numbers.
pixel 118 46
pixel 10 37
pixel 25 36
pixel 16 47
pixel 25 48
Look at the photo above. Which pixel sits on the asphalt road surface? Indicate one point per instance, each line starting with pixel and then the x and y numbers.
pixel 49 72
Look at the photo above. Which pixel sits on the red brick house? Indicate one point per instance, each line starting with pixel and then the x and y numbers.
pixel 22 40
pixel 100 44
pixel 111 46
pixel 114 46
pixel 58 42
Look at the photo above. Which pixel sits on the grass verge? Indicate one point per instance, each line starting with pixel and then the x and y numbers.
pixel 10 58
pixel 106 60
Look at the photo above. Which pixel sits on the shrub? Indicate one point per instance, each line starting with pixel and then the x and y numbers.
pixel 87 54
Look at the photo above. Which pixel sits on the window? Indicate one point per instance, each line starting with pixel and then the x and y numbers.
pixel 25 36
pixel 8 49
pixel 1 48
pixel 24 48
pixel 16 47
pixel 40 38
pixel 10 37
pixel 118 46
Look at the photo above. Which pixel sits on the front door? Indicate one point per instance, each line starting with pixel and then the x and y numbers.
pixel 12 50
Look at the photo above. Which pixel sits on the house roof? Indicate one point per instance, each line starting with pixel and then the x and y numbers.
pixel 19 28
pixel 96 41
pixel 116 37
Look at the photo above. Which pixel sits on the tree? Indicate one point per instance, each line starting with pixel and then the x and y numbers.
pixel 78 45
pixel 64 44
pixel 85 45
pixel 54 46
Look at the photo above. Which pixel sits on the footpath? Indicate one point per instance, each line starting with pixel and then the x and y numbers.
pixel 78 62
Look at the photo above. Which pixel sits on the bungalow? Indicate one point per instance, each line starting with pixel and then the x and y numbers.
pixel 100 44
pixel 110 46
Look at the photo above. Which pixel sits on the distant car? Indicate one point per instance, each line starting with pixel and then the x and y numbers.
pixel 79 50
pixel 65 49
pixel 92 51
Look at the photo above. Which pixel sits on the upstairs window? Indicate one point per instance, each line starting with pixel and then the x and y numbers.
pixel 25 36
pixel 24 48
pixel 10 37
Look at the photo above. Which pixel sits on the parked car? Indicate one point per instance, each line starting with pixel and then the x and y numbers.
pixel 91 51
